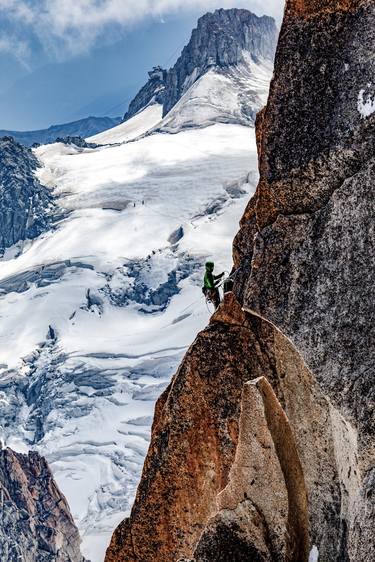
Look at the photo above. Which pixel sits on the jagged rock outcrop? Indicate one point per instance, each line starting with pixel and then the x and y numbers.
pixel 26 207
pixel 36 523
pixel 152 92
pixel 194 441
pixel 301 316
pixel 194 435
pixel 77 141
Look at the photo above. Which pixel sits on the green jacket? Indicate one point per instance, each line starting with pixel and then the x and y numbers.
pixel 211 281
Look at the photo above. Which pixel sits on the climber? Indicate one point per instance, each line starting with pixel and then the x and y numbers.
pixel 211 282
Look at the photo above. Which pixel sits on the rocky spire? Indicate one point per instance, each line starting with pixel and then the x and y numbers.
pixel 152 92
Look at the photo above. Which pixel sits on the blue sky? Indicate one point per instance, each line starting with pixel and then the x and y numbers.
pixel 62 60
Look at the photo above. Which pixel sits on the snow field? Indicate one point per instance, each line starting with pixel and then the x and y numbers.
pixel 94 385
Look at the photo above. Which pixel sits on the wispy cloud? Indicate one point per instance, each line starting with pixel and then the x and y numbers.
pixel 73 26
pixel 13 46
pixel 17 9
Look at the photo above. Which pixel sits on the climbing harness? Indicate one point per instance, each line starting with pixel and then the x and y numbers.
pixel 227 285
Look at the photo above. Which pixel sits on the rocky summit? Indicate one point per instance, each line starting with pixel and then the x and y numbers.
pixel 220 40
pixel 233 50
pixel 263 445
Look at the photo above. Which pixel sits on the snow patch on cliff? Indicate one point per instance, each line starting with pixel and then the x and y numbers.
pixel 366 104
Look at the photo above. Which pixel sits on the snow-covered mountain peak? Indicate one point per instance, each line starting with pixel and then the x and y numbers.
pixel 222 40
pixel 222 74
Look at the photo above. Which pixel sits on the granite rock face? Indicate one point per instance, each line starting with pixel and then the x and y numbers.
pixel 195 437
pixel 301 316
pixel 26 207
pixel 35 519
pixel 315 203
pixel 313 261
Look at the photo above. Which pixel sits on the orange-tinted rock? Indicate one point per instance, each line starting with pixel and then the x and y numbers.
pixel 193 443
pixel 268 522
pixel 318 7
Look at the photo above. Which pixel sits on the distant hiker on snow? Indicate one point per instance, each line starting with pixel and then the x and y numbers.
pixel 211 282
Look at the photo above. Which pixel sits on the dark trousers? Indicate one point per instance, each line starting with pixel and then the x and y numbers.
pixel 214 296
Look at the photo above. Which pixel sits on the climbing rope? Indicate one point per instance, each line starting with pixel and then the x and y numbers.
pixel 192 304
pixel 208 301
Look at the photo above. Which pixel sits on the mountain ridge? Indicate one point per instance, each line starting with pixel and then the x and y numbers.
pixel 86 127
pixel 36 523
pixel 26 207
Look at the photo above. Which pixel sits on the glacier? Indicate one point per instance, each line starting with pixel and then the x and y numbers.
pixel 97 313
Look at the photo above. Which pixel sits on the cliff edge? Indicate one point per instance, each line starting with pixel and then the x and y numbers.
pixel 262 446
